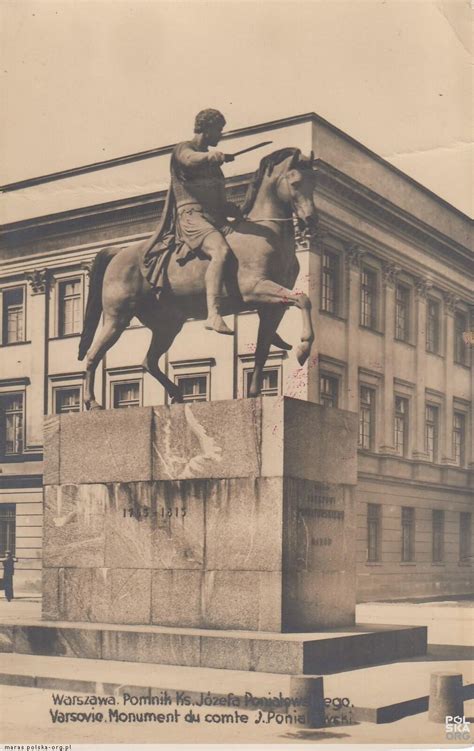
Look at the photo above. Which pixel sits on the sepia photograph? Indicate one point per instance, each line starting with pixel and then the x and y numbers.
pixel 236 374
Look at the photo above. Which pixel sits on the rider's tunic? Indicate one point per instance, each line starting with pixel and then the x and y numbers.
pixel 199 193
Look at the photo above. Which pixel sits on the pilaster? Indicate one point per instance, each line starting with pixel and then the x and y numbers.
pixel 446 431
pixel 389 277
pixel 422 287
pixel 353 259
pixel 39 280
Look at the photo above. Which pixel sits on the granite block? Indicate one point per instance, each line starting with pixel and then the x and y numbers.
pixel 50 609
pixel 228 654
pixel 244 525
pixel 176 598
pixel 75 594
pixel 208 440
pixel 320 443
pixel 128 526
pixel 277 656
pixel 112 445
pixel 314 600
pixel 249 600
pixel 6 638
pixel 58 642
pixel 120 596
pixel 149 647
pixel 74 525
pixel 51 430
pixel 178 530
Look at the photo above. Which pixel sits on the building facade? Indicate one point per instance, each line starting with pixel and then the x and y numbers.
pixel 390 277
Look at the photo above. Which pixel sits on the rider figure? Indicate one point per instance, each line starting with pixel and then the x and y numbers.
pixel 198 186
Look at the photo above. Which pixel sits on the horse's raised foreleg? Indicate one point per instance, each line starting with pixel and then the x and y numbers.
pixel 270 317
pixel 109 333
pixel 161 341
pixel 266 291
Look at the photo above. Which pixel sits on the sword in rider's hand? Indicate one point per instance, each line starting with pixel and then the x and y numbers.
pixel 231 157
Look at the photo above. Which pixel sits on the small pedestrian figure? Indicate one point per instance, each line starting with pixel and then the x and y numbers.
pixel 8 571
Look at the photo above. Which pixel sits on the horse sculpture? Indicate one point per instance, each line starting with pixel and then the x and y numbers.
pixel 260 276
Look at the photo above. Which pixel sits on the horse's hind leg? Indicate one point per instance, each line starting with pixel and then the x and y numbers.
pixel 270 317
pixel 109 333
pixel 161 341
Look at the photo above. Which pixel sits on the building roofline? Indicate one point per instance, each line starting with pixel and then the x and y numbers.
pixel 272 124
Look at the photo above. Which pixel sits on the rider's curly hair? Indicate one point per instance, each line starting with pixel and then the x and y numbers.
pixel 207 118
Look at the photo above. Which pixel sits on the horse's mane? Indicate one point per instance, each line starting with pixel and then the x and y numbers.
pixel 268 163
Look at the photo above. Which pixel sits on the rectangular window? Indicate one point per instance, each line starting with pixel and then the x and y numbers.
pixel 460 346
pixel 431 432
pixel 126 394
pixel 70 307
pixel 366 417
pixel 329 282
pixel 438 536
pixel 408 534
pixel 374 517
pixel 400 426
pixel 194 388
pixel 459 437
pixel 465 537
pixel 328 391
pixel 67 400
pixel 402 313
pixel 11 413
pixel 7 528
pixel 270 381
pixel 432 326
pixel 368 298
pixel 13 316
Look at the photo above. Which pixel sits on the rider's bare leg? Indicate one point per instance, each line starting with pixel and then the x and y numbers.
pixel 217 250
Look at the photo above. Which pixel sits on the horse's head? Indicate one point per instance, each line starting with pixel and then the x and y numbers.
pixel 295 187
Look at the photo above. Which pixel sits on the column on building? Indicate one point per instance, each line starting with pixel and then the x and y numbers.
pixel 354 256
pixel 37 314
pixel 470 345
pixel 450 302
pixel 389 277
pixel 421 290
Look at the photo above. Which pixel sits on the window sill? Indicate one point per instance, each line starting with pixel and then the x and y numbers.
pixel 63 336
pixel 438 565
pixel 332 315
pixel 16 344
pixel 462 365
pixel 372 331
pixel 408 563
pixel 434 354
pixel 403 341
pixel 464 564
pixel 373 563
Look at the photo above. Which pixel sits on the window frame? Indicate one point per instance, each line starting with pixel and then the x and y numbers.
pixel 405 416
pixel 247 373
pixel 405 337
pixel 183 376
pixel 374 546
pixel 434 453
pixel 61 300
pixel 335 275
pixel 335 380
pixel 434 348
pixel 5 521
pixel 408 532
pixel 125 382
pixel 462 433
pixel 438 536
pixel 372 417
pixel 4 341
pixel 465 538
pixel 66 387
pixel 374 289
pixel 460 348
pixel 11 455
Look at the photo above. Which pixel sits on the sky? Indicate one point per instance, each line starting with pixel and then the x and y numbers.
pixel 87 80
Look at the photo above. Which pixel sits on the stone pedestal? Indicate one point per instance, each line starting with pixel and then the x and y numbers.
pixel 222 515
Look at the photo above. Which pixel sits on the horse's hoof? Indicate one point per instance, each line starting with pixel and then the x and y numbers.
pixel 90 406
pixel 277 341
pixel 302 353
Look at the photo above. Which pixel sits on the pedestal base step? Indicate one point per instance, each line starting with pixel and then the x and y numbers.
pixel 291 654
pixel 378 695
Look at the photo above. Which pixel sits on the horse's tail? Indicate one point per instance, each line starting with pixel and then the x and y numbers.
pixel 94 299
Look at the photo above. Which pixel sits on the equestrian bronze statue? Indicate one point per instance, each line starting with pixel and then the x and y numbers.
pixel 165 279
